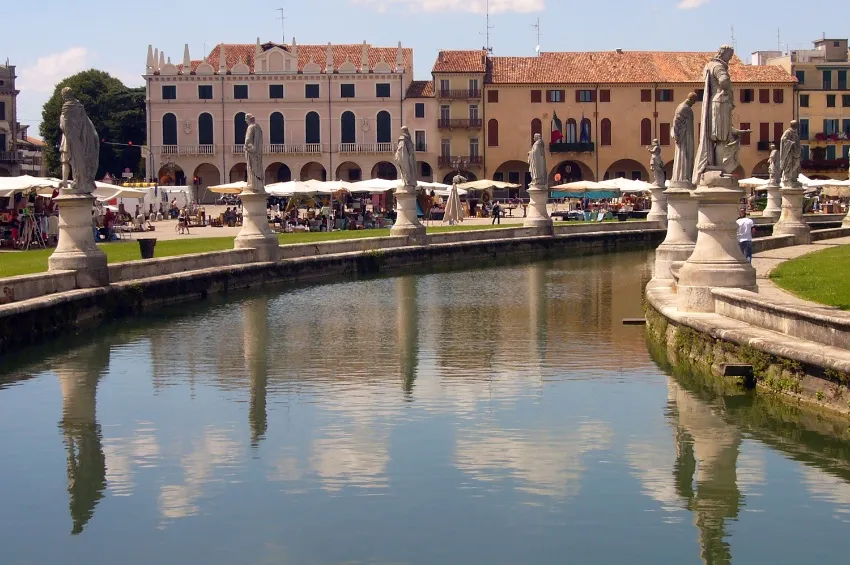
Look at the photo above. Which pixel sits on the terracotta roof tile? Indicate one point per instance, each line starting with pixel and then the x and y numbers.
pixel 420 89
pixel 627 67
pixel 460 62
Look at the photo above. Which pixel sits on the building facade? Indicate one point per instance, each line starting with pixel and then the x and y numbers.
pixel 10 160
pixel 328 112
pixel 30 152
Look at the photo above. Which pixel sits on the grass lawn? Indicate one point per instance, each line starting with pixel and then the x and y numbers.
pixel 823 276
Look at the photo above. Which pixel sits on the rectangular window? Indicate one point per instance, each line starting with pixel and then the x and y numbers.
pixel 845 127
pixel 827 80
pixel 445 147
pixel 276 91
pixel 500 176
pixel 492 96
pixel 444 85
pixel 830 100
pixel 473 147
pixel 778 129
pixel 2 110
pixel 830 126
pixel 745 139
pixel 346 91
pixel 845 151
pixel 764 96
pixel 845 100
pixel 473 111
pixel 801 77
pixel 473 86
pixel 419 110
pixel 169 92
pixel 646 95
pixel 311 91
pixel 778 96
pixel 2 141
pixel 445 112
pixel 804 152
pixel 747 95
pixel 536 96
pixel 382 90
pixel 584 96
pixel 240 92
pixel 419 140
pixel 205 92
pixel 764 132
pixel 554 96
pixel 605 95
pixel 664 134
pixel 842 80
pixel 804 128
pixel 513 177
pixel 830 152
pixel 664 95
pixel 804 101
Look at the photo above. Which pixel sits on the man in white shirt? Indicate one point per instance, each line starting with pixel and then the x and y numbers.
pixel 745 235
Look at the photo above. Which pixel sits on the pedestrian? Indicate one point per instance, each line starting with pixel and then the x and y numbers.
pixel 745 235
pixel 497 213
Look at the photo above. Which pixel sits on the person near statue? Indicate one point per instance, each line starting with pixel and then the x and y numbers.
pixel 537 163
pixel 405 158
pixel 656 164
pixel 254 155
pixel 774 172
pixel 79 149
pixel 682 132
pixel 790 156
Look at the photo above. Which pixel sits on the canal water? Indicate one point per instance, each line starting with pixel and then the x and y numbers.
pixel 500 415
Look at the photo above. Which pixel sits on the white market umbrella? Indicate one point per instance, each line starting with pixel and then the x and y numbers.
pixel 486 184
pixel 454 211
pixel 581 185
pixel 9 186
pixel 627 185
pixel 229 188
pixel 752 182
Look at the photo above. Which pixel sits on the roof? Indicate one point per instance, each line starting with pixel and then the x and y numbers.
pixel 420 89
pixel 32 141
pixel 626 67
pixel 244 53
pixel 460 62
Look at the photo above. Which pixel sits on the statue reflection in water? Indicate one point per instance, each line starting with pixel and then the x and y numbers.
pixel 79 374
pixel 255 341
pixel 407 322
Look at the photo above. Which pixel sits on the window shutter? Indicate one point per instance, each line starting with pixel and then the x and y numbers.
pixel 578 95
pixel 593 96
pixel 764 132
pixel 778 95
pixel 605 95
pixel 764 96
pixel 536 96
pixel 664 134
pixel 745 139
pixel 646 95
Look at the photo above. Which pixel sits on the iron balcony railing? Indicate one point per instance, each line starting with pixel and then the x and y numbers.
pixel 450 160
pixel 460 94
pixel 572 147
pixel 459 123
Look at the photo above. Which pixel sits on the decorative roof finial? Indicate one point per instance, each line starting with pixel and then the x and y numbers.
pixel 222 60
pixel 329 60
pixel 364 58
pixel 187 60
pixel 150 64
pixel 399 59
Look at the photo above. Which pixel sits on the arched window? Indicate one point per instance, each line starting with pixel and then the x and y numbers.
pixel 169 129
pixel 492 133
pixel 536 127
pixel 313 131
pixel 605 132
pixel 240 126
pixel 585 134
pixel 277 129
pixel 646 131
pixel 572 132
pixel 348 129
pixel 385 122
pixel 205 129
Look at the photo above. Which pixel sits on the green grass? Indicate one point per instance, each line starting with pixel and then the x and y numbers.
pixel 823 276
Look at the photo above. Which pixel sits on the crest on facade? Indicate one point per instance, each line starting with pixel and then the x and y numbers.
pixel 187 127
pixel 365 124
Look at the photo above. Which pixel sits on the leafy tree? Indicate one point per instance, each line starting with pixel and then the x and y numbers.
pixel 118 115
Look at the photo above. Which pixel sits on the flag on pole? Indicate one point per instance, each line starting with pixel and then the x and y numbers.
pixel 557 129
pixel 585 130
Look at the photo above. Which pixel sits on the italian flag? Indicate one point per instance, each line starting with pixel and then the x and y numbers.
pixel 557 128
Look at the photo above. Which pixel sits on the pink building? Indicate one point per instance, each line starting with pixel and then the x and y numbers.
pixel 327 112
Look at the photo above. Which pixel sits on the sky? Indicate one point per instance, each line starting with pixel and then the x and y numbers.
pixel 52 39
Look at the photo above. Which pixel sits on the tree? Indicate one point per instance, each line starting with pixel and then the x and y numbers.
pixel 118 115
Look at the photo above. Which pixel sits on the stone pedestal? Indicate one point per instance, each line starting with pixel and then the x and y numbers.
pixel 846 222
pixel 256 233
pixel 407 222
pixel 774 203
pixel 717 261
pixel 681 228
pixel 76 250
pixel 658 211
pixel 538 212
pixel 791 221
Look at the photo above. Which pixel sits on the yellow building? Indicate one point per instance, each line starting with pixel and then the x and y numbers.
pixel 822 104
pixel 10 159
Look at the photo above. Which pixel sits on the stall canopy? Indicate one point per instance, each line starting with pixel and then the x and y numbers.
pixel 23 183
pixel 585 189
pixel 486 184
pixel 627 185
pixel 752 182
pixel 229 188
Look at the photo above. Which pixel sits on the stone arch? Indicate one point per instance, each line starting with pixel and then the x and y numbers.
pixel 514 172
pixel 4 172
pixel 536 127
pixel 277 129
pixel 628 168
pixel 278 172
pixel 169 129
pixel 349 171
pixel 171 174
pixel 208 175
pixel 468 175
pixel 238 172
pixel 426 171
pixel 762 169
pixel 384 170
pixel 348 127
pixel 570 171
pixel 314 171
pixel 240 127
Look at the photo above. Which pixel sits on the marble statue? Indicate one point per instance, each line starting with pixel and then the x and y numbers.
pixel 656 164
pixel 682 133
pixel 537 163
pixel 254 155
pixel 790 155
pixel 774 171
pixel 405 158
pixel 80 146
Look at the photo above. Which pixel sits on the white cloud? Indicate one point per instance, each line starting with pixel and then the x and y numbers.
pixel 691 4
pixel 471 6
pixel 50 69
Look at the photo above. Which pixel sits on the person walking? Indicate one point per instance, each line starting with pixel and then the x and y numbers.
pixel 497 213
pixel 745 235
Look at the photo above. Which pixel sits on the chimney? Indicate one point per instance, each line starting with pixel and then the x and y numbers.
pixel 222 60
pixel 619 51
pixel 441 56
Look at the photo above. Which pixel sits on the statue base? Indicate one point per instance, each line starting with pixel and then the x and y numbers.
pixel 538 211
pixel 681 229
pixel 845 223
pixel 76 250
pixel 658 211
pixel 717 261
pixel 407 222
pixel 774 202
pixel 791 221
pixel 256 233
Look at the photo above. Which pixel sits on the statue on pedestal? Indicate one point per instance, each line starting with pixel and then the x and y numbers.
pixel 790 157
pixel 79 150
pixel 537 164
pixel 774 172
pixel 254 156
pixel 656 164
pixel 682 133
pixel 405 158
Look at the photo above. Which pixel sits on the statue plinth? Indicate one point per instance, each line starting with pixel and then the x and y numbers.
pixel 76 250
pixel 681 229
pixel 407 221
pixel 791 220
pixel 256 233
pixel 538 211
pixel 774 202
pixel 658 211
pixel 717 261
pixel 845 223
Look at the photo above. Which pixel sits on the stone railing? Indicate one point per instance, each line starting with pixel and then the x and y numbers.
pixel 364 148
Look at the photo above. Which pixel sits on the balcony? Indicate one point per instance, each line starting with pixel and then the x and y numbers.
pixel 10 157
pixel 184 149
pixel 365 148
pixel 572 147
pixel 237 149
pixel 294 148
pixel 447 161
pixel 467 123
pixel 815 165
pixel 824 139
pixel 462 94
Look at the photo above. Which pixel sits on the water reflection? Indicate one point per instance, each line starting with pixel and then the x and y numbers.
pixel 255 342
